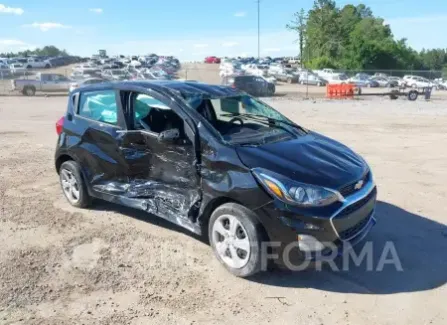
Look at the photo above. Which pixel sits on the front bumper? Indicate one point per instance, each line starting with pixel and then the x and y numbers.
pixel 338 228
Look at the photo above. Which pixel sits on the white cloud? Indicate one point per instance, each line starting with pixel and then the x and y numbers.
pixel 200 46
pixel 9 10
pixel 240 14
pixel 44 27
pixel 96 10
pixel 229 44
pixel 11 42
pixel 14 45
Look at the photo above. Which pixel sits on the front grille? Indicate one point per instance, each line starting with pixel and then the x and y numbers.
pixel 350 232
pixel 350 189
pixel 357 205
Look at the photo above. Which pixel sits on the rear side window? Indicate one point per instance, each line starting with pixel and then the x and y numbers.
pixel 99 106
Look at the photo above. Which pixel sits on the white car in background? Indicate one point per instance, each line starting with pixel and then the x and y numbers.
pixel 276 68
pixel 325 73
pixel 17 68
pixel 337 79
pixel 256 70
pixel 34 63
pixel 135 63
pixel 86 69
pixel 417 82
pixel 231 69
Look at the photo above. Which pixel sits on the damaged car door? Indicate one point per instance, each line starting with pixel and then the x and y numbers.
pixel 158 147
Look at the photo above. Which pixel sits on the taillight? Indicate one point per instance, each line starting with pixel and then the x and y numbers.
pixel 59 125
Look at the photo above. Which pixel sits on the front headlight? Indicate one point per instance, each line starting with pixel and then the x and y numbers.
pixel 296 193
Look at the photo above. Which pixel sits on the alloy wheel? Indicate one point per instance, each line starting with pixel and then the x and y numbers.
pixel 231 241
pixel 70 186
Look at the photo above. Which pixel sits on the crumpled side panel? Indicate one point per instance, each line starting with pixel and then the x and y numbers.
pixel 168 202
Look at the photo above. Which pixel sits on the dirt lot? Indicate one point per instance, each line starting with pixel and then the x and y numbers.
pixel 111 265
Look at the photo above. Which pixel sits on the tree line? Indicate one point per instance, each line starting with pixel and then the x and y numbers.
pixel 352 38
pixel 49 50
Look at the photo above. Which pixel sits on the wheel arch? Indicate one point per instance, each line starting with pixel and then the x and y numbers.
pixel 61 159
pixel 212 205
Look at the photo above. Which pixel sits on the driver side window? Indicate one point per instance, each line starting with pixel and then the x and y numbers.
pixel 150 114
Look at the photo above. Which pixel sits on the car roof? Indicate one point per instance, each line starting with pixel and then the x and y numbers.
pixel 184 87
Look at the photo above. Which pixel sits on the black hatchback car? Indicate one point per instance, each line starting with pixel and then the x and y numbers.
pixel 219 163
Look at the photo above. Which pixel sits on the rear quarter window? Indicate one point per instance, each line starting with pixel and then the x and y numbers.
pixel 99 106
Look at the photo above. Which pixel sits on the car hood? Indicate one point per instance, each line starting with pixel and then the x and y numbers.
pixel 311 159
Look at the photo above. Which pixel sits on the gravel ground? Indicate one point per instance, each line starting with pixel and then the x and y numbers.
pixel 111 265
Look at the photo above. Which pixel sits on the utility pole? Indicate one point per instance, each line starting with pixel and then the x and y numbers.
pixel 259 28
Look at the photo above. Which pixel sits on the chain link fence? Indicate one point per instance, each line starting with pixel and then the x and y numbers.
pixel 302 86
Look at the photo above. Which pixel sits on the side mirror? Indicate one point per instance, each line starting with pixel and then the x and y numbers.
pixel 169 136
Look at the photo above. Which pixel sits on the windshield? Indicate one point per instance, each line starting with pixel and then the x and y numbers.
pixel 244 120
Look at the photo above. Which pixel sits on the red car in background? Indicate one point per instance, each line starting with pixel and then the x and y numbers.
pixel 212 59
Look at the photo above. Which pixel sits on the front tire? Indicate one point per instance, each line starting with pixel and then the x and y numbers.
pixel 73 185
pixel 235 236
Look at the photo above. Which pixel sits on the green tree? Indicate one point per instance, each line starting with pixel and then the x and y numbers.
pixel 298 24
pixel 49 50
pixel 353 38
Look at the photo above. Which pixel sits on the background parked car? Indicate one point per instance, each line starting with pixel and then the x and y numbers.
pixel 362 80
pixel 36 63
pixel 212 59
pixel 309 78
pixel 17 68
pixel 286 75
pixel 89 81
pixel 115 75
pixel 47 82
pixel 417 82
pixel 254 85
pixel 400 82
pixel 337 78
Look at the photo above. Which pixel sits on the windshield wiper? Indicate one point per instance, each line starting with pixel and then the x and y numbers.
pixel 261 118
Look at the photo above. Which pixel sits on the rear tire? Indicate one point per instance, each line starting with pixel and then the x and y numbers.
pixel 47 66
pixel 29 91
pixel 235 236
pixel 73 185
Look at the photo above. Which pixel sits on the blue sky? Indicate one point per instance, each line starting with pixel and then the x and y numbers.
pixel 192 29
